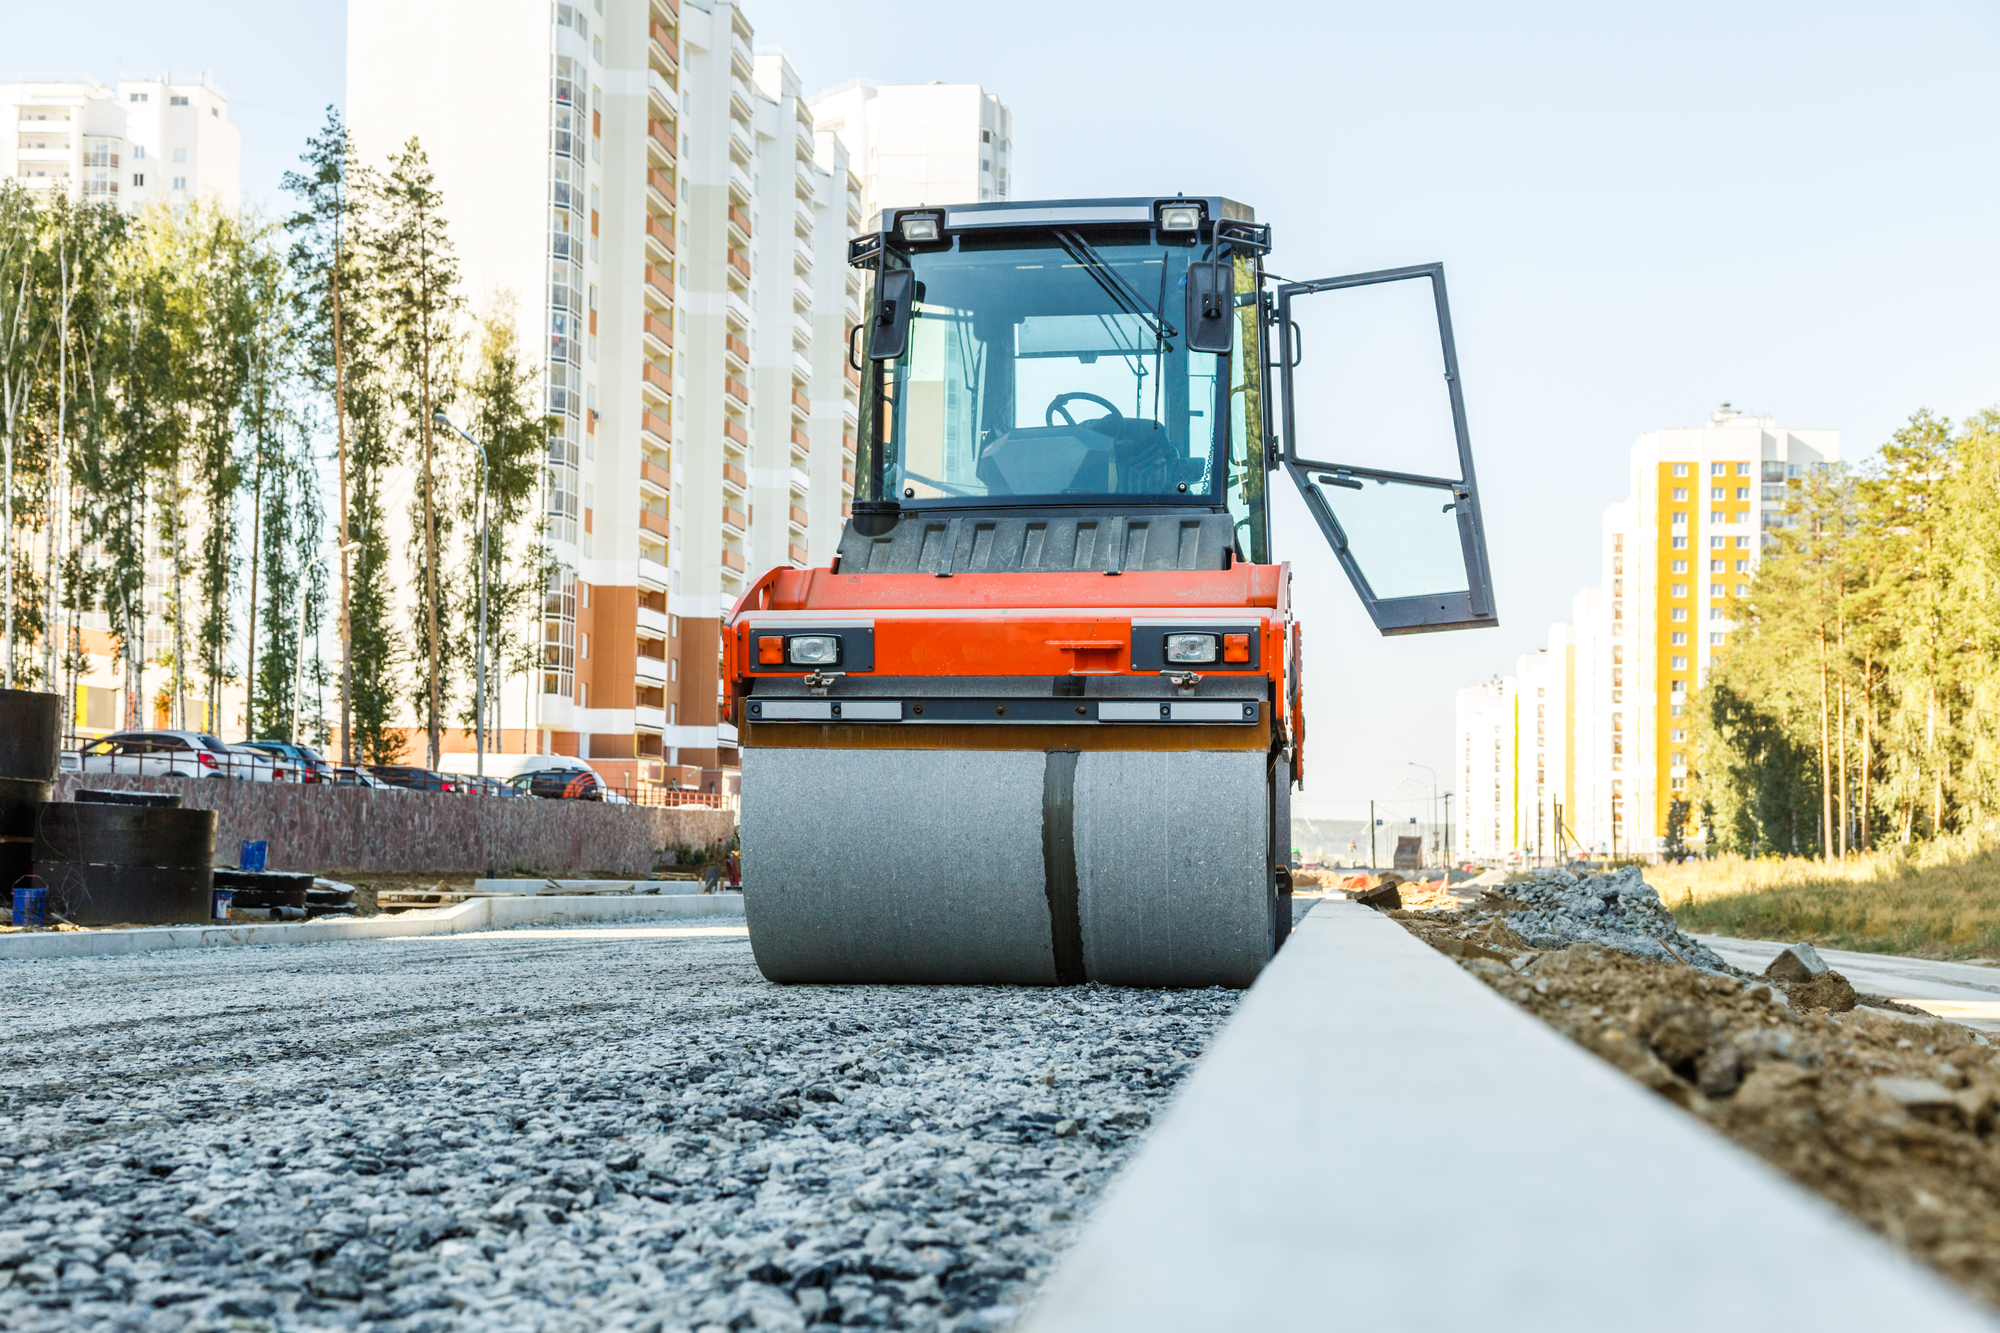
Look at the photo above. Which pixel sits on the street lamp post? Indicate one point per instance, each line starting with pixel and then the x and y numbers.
pixel 479 684
pixel 299 661
pixel 1434 793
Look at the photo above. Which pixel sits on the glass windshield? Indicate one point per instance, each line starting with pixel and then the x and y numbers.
pixel 1045 372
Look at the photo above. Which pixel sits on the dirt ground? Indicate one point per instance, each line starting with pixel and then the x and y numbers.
pixel 1886 1112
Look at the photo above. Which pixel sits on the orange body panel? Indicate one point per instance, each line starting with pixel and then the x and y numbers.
pixel 1016 624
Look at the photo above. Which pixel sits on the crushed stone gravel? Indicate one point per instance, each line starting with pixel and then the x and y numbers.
pixel 1617 911
pixel 552 1133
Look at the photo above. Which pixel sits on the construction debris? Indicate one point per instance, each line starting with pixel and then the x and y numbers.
pixel 1619 911
pixel 1800 962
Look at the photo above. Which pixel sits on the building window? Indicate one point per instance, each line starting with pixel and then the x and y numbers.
pixel 1680 640
pixel 1680 589
pixel 1678 737
pixel 1680 518
pixel 1680 469
pixel 1717 516
pixel 1742 469
pixel 1680 566
pixel 1717 540
pixel 141 97
pixel 1680 543
pixel 180 154
pixel 1742 590
pixel 177 101
pixel 138 178
pixel 1717 469
pixel 1715 640
pixel 1743 494
pixel 138 152
pixel 1679 664
pixel 1715 590
pixel 180 182
pixel 1680 493
pixel 1743 543
pixel 1717 493
pixel 1680 613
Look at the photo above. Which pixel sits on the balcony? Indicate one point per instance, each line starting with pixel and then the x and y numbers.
pixel 655 523
pixel 647 718
pixel 663 47
pixel 802 365
pixel 652 624
pixel 736 347
pixel 739 220
pixel 732 560
pixel 739 181
pixel 801 404
pixel 800 439
pixel 847 444
pixel 659 287
pixel 653 474
pixel 733 475
pixel 660 89
pixel 655 381
pixel 655 425
pixel 738 390
pixel 650 670
pixel 652 575
pixel 798 554
pixel 658 183
pixel 801 483
pixel 734 431
pixel 658 330
pixel 799 517
pixel 736 306
pixel 659 233
pixel 735 518
pixel 740 262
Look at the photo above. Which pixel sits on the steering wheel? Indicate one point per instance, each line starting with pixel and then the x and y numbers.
pixel 1060 403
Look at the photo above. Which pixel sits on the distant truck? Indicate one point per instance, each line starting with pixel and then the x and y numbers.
pixel 1410 852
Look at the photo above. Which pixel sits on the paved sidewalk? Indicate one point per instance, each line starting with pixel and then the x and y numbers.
pixel 1967 993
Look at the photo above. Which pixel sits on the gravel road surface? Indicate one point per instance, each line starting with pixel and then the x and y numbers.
pixel 574 1129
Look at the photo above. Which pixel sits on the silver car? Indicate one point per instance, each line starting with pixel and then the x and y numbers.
pixel 164 754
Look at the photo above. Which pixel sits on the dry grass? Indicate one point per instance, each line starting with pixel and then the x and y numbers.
pixel 1941 902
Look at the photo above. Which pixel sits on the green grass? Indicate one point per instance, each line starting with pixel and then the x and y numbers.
pixel 1939 902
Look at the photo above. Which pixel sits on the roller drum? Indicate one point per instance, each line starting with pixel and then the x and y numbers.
pixel 109 864
pixel 1008 867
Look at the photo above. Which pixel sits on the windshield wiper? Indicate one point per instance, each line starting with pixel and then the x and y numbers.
pixel 1114 286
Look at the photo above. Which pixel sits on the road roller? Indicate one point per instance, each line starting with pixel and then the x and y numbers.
pixel 1039 720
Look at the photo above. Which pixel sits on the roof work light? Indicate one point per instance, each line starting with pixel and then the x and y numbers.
pixel 919 228
pixel 1180 217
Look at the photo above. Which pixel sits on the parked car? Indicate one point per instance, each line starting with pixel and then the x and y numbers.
pixel 411 778
pixel 565 784
pixel 165 754
pixel 71 761
pixel 255 765
pixel 344 776
pixel 304 763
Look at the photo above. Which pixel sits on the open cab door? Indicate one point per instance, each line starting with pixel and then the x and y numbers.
pixel 1375 440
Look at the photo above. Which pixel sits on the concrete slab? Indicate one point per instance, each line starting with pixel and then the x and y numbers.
pixel 480 914
pixel 1967 993
pixel 1377 1141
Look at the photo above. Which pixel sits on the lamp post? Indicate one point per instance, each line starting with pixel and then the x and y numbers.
pixel 479 657
pixel 299 661
pixel 1434 793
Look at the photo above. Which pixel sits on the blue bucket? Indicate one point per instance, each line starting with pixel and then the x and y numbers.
pixel 31 905
pixel 252 855
pixel 224 900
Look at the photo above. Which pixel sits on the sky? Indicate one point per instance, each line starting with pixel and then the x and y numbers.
pixel 1643 211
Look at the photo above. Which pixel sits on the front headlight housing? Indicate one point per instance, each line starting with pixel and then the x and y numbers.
pixel 813 650
pixel 1192 649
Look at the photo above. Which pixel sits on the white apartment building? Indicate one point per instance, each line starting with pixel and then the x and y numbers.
pixel 1674 556
pixel 151 137
pixel 670 226
pixel 921 143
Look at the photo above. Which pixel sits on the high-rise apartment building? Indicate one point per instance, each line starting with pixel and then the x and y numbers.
pixel 654 203
pixel 151 137
pixel 1617 679
pixel 921 143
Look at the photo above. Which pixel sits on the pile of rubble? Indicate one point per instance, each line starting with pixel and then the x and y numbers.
pixel 1888 1113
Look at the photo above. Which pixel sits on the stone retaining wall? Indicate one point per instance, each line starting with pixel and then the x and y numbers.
pixel 358 830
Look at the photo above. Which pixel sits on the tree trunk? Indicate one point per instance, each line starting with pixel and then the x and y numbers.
pixel 340 432
pixel 430 524
pixel 1825 760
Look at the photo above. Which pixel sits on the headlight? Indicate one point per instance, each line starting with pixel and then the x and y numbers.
pixel 1180 217
pixel 920 227
pixel 813 649
pixel 1191 648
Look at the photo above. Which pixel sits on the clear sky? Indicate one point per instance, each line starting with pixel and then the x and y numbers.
pixel 1643 211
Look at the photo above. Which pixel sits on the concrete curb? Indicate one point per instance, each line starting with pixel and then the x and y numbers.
pixel 1378 1141
pixel 478 914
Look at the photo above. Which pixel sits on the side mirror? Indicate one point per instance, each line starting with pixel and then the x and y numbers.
pixel 889 328
pixel 1211 298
